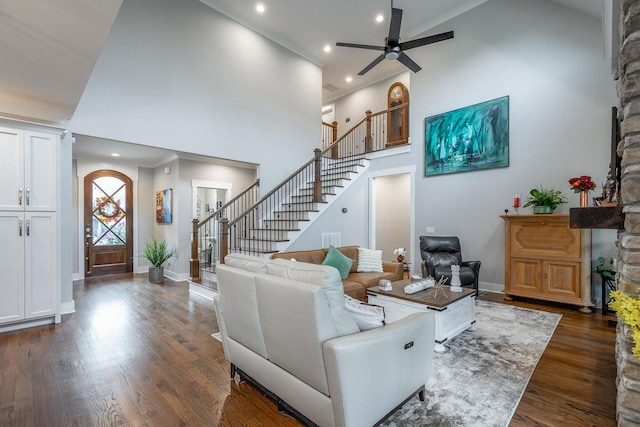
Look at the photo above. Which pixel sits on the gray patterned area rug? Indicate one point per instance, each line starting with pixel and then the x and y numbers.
pixel 482 376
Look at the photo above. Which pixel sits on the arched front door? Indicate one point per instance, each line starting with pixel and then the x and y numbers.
pixel 108 218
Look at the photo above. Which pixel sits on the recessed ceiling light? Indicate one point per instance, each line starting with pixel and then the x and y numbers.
pixel 260 8
pixel 327 48
pixel 379 18
pixel 348 79
pixel 115 155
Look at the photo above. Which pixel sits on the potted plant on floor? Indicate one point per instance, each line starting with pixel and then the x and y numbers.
pixel 544 200
pixel 157 253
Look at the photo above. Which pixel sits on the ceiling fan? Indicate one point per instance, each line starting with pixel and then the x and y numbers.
pixel 393 48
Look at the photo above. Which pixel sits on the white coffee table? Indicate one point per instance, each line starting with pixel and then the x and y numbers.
pixel 454 311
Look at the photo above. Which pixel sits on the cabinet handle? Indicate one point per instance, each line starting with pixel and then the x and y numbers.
pixel 28 233
pixel 27 197
pixel 20 227
pixel 20 196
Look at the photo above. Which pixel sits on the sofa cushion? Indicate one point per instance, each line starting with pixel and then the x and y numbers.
pixel 337 259
pixel 246 262
pixel 321 275
pixel 238 301
pixel 351 252
pixel 314 256
pixel 370 279
pixel 369 260
pixel 367 316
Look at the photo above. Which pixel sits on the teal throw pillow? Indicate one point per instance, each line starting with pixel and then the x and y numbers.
pixel 340 261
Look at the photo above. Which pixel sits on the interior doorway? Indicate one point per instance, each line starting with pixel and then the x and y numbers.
pixel 392 215
pixel 108 223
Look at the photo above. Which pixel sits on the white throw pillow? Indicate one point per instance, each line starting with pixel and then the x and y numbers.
pixel 366 316
pixel 369 260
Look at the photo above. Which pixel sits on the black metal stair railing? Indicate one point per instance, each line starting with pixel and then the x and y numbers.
pixel 270 220
pixel 205 243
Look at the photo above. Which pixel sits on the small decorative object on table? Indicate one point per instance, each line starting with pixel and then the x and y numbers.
pixel 439 288
pixel 516 202
pixel 456 285
pixel 400 253
pixel 582 184
pixel 385 285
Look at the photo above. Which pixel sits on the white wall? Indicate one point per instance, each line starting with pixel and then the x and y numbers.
pixel 169 76
pixel 392 214
pixel 165 79
pixel 373 98
pixel 549 60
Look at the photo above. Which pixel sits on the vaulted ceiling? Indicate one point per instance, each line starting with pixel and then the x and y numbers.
pixel 49 49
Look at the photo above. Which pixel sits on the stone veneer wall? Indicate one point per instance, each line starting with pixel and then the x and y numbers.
pixel 628 378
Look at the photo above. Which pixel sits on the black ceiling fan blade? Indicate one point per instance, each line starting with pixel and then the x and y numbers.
pixel 408 62
pixel 373 64
pixel 426 40
pixel 394 26
pixel 360 46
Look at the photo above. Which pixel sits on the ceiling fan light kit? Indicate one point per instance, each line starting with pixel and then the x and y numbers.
pixel 393 48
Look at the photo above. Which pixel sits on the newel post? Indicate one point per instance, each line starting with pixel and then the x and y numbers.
pixel 334 137
pixel 194 264
pixel 317 184
pixel 224 239
pixel 367 139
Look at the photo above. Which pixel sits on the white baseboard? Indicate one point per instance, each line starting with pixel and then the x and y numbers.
pixel 77 276
pixel 68 307
pixel 27 324
pixel 202 291
pixel 491 287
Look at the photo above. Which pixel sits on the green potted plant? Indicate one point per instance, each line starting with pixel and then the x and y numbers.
pixel 157 253
pixel 544 200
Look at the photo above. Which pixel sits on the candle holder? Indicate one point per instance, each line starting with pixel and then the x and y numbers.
pixel 516 202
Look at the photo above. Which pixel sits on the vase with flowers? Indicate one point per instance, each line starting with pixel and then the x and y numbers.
pixel 582 184
pixel 400 253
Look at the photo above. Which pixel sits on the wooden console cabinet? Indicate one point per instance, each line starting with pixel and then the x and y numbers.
pixel 546 259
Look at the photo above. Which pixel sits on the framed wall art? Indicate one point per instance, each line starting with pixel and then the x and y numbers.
pixel 469 138
pixel 164 202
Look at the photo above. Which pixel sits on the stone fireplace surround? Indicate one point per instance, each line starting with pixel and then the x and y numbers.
pixel 628 86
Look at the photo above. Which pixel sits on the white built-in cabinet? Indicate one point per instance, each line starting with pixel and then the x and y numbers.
pixel 29 224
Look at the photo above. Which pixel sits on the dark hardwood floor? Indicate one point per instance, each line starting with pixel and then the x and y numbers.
pixel 141 354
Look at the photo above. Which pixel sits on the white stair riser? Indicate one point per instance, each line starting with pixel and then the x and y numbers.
pixel 290 215
pixel 272 234
pixel 287 224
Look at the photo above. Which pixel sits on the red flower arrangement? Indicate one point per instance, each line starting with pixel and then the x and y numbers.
pixel 582 183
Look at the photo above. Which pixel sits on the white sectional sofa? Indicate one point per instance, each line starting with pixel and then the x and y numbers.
pixel 285 328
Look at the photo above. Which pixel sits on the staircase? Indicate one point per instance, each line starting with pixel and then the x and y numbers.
pixel 274 226
pixel 272 223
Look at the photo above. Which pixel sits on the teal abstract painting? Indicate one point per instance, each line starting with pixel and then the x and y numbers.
pixel 469 138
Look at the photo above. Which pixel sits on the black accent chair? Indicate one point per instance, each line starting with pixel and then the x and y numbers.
pixel 440 253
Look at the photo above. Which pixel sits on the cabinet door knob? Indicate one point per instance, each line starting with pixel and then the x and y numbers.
pixel 19 227
pixel 20 196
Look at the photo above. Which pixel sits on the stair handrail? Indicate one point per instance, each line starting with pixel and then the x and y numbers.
pixel 215 216
pixel 321 158
pixel 368 116
pixel 229 203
